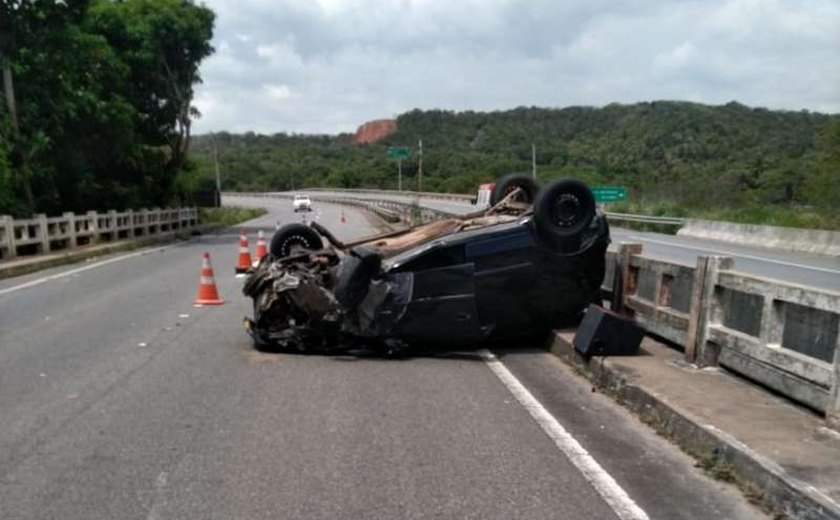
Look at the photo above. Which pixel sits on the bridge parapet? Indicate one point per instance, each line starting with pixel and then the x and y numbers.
pixel 782 335
pixel 42 234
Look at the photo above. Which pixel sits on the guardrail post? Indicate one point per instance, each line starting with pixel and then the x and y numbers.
pixel 93 220
pixel 144 222
pixel 70 217
pixel 7 223
pixel 832 412
pixel 623 282
pixel 115 229
pixel 43 233
pixel 702 311
pixel 129 220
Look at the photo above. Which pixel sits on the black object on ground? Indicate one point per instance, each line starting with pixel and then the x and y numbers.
pixel 605 333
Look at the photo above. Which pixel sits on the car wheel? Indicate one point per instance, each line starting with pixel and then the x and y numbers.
pixel 292 236
pixel 563 210
pixel 505 185
pixel 357 270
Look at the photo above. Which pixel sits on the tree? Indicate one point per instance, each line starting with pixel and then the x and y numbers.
pixel 97 99
pixel 162 42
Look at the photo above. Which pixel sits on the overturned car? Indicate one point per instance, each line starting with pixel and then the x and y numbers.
pixel 534 258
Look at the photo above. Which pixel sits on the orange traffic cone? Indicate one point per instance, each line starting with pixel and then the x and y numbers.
pixel 207 292
pixel 262 249
pixel 343 218
pixel 244 263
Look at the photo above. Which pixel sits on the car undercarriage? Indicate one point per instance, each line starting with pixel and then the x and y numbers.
pixel 533 259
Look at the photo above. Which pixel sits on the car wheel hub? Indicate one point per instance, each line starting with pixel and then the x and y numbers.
pixel 566 210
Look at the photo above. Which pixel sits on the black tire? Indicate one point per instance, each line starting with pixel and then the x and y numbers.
pixel 294 235
pixel 563 210
pixel 357 270
pixel 507 183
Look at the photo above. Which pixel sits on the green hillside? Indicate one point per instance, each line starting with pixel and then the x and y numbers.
pixel 731 161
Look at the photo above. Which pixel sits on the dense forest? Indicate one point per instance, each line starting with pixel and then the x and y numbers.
pixel 95 110
pixel 679 158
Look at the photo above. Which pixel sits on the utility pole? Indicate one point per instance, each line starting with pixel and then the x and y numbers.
pixel 534 160
pixel 399 174
pixel 218 176
pixel 420 166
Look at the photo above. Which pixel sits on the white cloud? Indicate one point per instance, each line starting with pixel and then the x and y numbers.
pixel 330 65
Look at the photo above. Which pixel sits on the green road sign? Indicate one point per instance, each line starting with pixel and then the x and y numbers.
pixel 398 152
pixel 609 193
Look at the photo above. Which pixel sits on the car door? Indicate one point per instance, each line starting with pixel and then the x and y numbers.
pixel 442 308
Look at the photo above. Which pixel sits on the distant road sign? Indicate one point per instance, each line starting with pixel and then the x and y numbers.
pixel 398 152
pixel 609 193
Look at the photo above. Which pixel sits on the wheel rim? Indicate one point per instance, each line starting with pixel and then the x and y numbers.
pixel 566 210
pixel 294 241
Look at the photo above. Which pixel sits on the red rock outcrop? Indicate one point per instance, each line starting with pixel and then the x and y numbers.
pixel 373 131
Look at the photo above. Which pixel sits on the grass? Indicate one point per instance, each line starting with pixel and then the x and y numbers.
pixel 228 216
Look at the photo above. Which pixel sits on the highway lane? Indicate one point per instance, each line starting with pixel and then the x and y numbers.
pixel 799 268
pixel 119 399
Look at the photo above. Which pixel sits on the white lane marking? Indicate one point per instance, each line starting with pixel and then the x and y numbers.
pixel 741 255
pixel 618 499
pixel 74 272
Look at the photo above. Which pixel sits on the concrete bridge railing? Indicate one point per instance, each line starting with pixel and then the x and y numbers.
pixel 42 234
pixel 782 335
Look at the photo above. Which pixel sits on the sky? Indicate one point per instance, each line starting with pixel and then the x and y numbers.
pixel 327 66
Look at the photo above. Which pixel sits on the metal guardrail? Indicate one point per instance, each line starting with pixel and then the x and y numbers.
pixel 620 217
pixel 43 234
pixel 390 210
pixel 422 194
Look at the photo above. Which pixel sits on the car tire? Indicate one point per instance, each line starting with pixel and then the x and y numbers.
pixel 510 182
pixel 292 235
pixel 357 270
pixel 563 210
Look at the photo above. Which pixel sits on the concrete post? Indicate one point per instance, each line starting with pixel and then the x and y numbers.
pixel 623 281
pixel 112 224
pixel 772 322
pixel 93 221
pixel 702 310
pixel 129 219
pixel 43 233
pixel 143 221
pixel 70 217
pixel 832 411
pixel 7 224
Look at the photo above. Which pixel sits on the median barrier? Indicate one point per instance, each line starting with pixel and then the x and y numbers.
pixel 817 241
pixel 42 234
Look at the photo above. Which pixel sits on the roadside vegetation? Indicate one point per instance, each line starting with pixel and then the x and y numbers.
pixel 728 162
pixel 96 107
pixel 228 216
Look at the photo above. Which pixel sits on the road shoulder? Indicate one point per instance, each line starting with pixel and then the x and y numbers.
pixel 781 456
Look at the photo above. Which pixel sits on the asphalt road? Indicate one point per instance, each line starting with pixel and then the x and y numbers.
pixel 799 268
pixel 119 399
